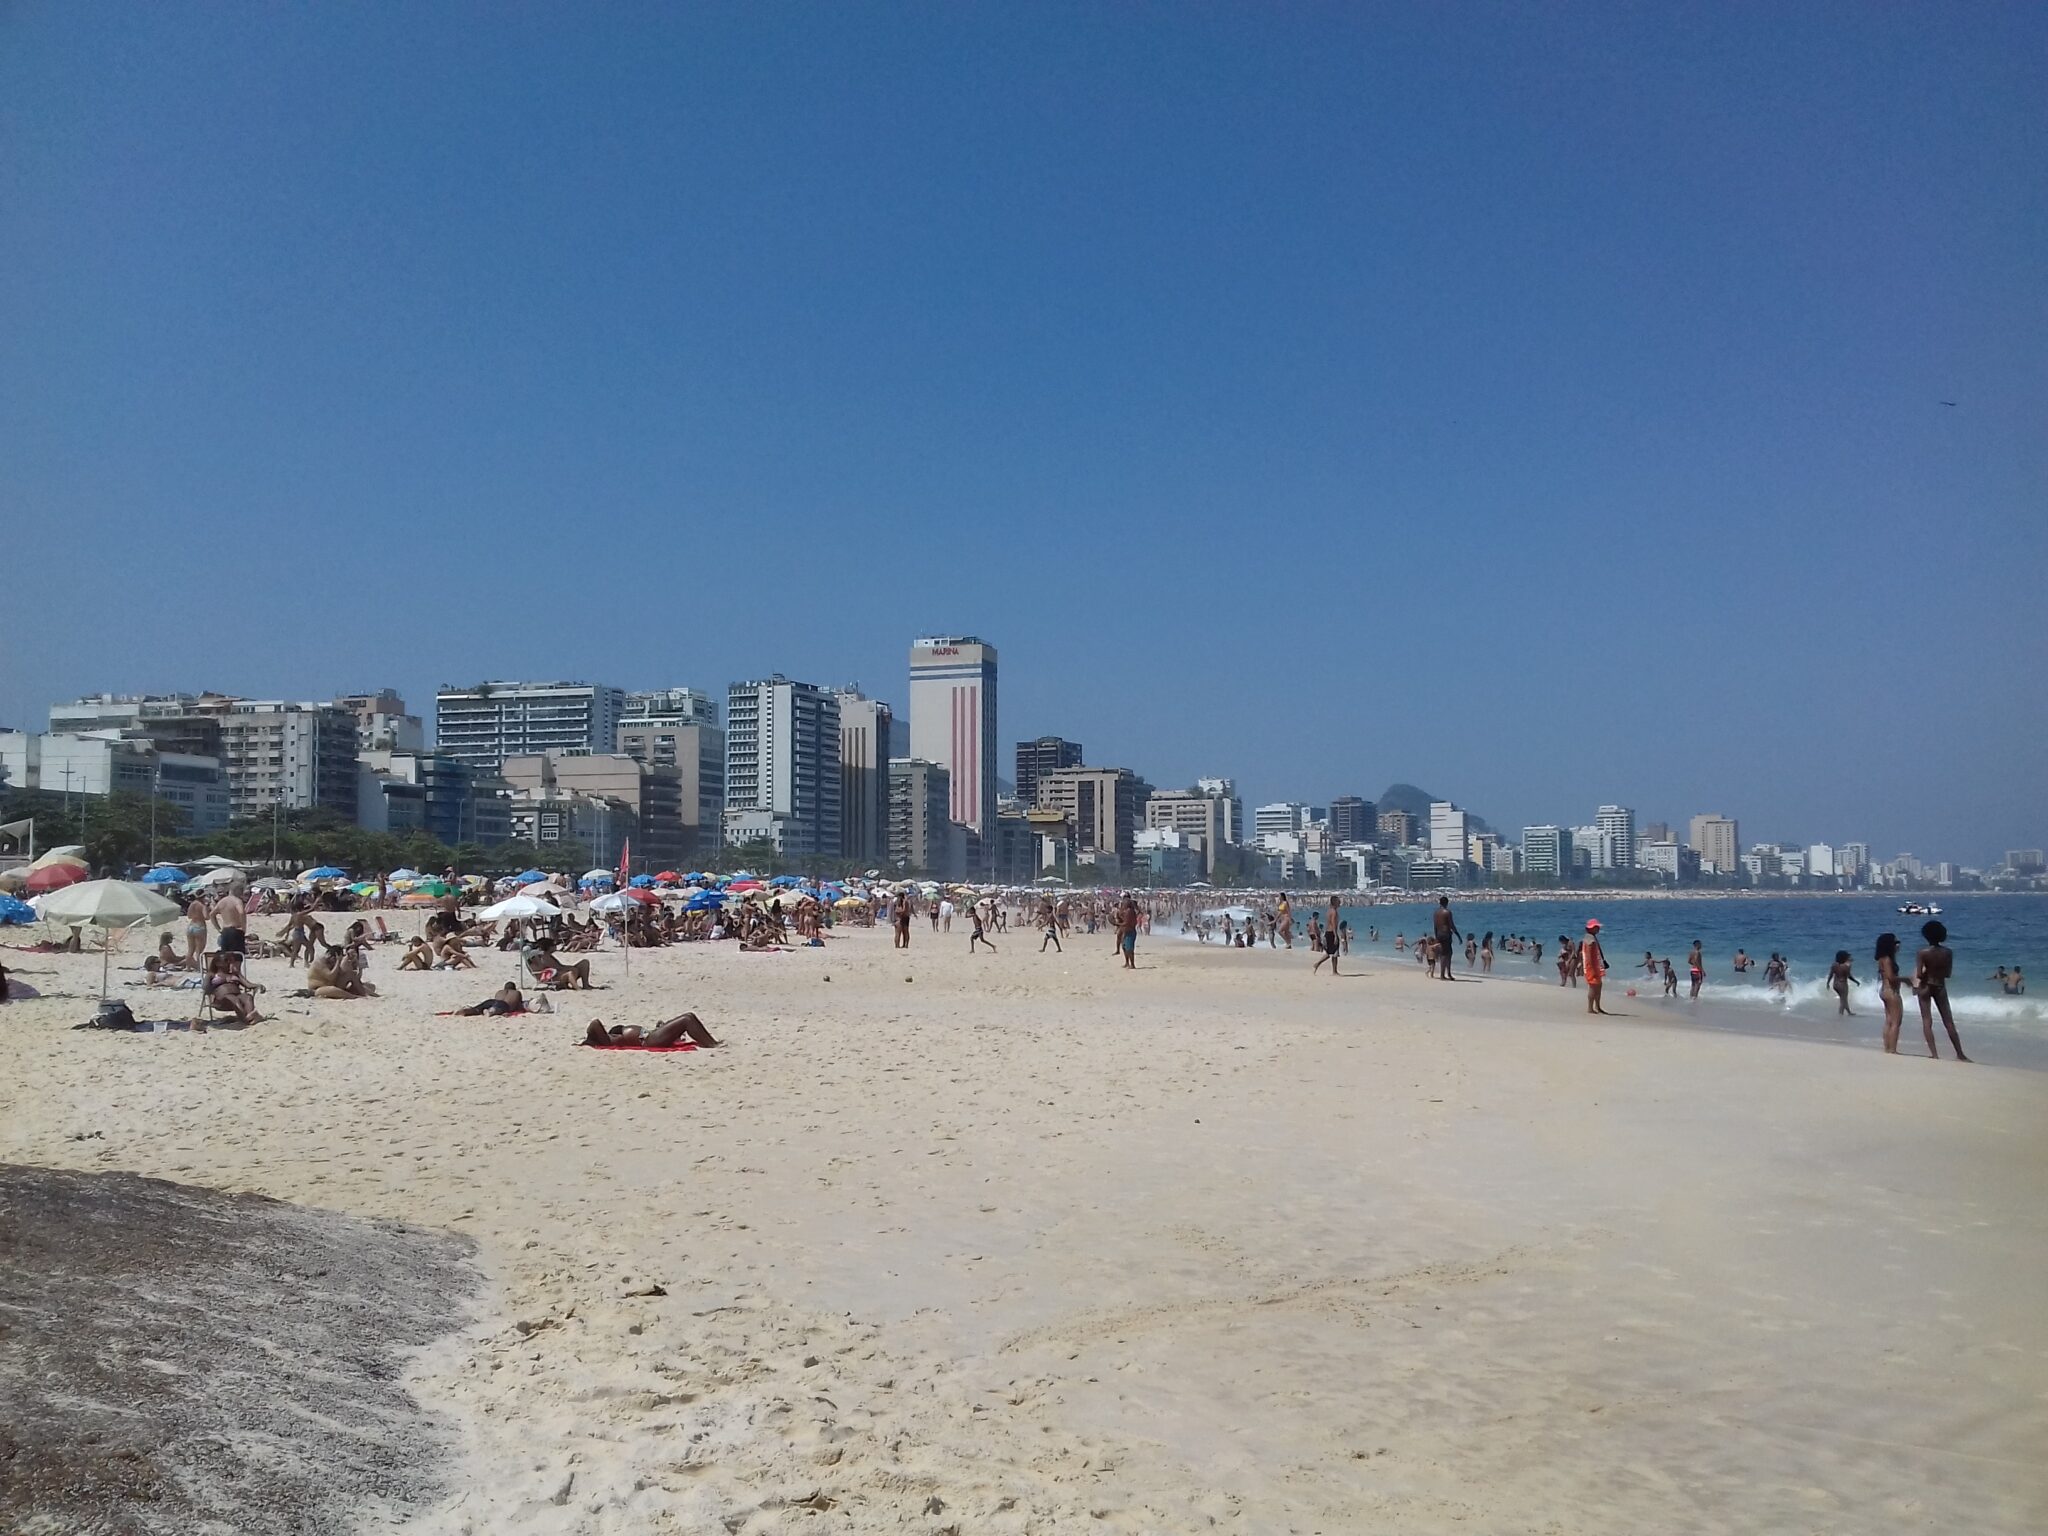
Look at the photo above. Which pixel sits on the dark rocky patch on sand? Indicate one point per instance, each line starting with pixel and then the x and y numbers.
pixel 173 1359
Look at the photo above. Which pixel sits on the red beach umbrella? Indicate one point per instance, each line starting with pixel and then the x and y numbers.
pixel 54 877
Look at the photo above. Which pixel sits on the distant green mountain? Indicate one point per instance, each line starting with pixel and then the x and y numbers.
pixel 1416 802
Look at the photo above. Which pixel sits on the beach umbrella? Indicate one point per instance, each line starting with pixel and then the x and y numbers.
pixel 527 877
pixel 324 872
pixel 110 904
pixel 215 861
pixel 54 877
pixel 704 901
pixel 70 853
pixel 668 877
pixel 273 883
pixel 13 911
pixel 641 882
pixel 164 874
pixel 408 874
pixel 786 880
pixel 618 901
pixel 521 905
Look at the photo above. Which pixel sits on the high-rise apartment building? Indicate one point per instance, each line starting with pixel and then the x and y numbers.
pixel 293 756
pixel 1852 861
pixel 1398 829
pixel 639 801
pixel 1035 759
pixel 1104 806
pixel 865 726
pixel 382 725
pixel 490 722
pixel 1717 840
pixel 678 728
pixel 953 720
pixel 668 706
pixel 1617 824
pixel 1352 819
pixel 1193 815
pixel 1547 852
pixel 1450 832
pixel 452 801
pixel 1281 818
pixel 1224 791
pixel 782 763
pixel 921 828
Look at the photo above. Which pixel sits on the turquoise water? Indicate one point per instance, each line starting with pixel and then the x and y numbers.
pixel 1985 931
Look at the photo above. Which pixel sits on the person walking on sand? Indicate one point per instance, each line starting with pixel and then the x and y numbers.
pixel 1697 963
pixel 1446 935
pixel 979 936
pixel 1932 969
pixel 1328 943
pixel 1283 920
pixel 1050 922
pixel 901 913
pixel 1841 980
pixel 1593 961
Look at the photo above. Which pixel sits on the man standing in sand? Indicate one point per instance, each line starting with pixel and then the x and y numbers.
pixel 1446 935
pixel 1593 961
pixel 1127 932
pixel 231 919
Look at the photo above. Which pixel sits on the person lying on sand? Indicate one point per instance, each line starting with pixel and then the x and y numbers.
pixel 507 999
pixel 668 1032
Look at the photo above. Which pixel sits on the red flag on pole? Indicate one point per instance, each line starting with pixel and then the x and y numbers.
pixel 625 860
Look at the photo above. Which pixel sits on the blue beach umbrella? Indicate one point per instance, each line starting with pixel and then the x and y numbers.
pixel 164 874
pixel 324 872
pixel 527 877
pixel 704 901
pixel 13 911
pixel 641 881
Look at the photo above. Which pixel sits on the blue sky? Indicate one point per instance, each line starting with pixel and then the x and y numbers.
pixel 1540 404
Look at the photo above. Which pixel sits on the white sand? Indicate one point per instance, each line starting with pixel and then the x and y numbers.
pixel 1030 1244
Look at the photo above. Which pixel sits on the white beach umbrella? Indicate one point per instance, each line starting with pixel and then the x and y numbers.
pixel 212 878
pixel 109 904
pixel 520 906
pixel 214 861
pixel 618 901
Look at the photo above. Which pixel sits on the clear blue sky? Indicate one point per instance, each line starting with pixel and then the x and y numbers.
pixel 1540 405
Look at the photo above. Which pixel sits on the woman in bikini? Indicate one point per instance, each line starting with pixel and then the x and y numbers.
pixel 1890 990
pixel 684 1026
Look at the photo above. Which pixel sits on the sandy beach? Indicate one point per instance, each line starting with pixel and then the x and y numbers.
pixel 1025 1243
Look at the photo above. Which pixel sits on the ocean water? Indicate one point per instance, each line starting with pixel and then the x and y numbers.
pixel 1984 930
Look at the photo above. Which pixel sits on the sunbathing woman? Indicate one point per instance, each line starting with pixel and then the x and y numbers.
pixel 419 956
pixel 455 954
pixel 668 1032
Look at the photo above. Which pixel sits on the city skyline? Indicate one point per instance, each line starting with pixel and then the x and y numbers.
pixel 1551 407
pixel 1448 825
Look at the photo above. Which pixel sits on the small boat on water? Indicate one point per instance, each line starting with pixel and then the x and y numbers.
pixel 1920 909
